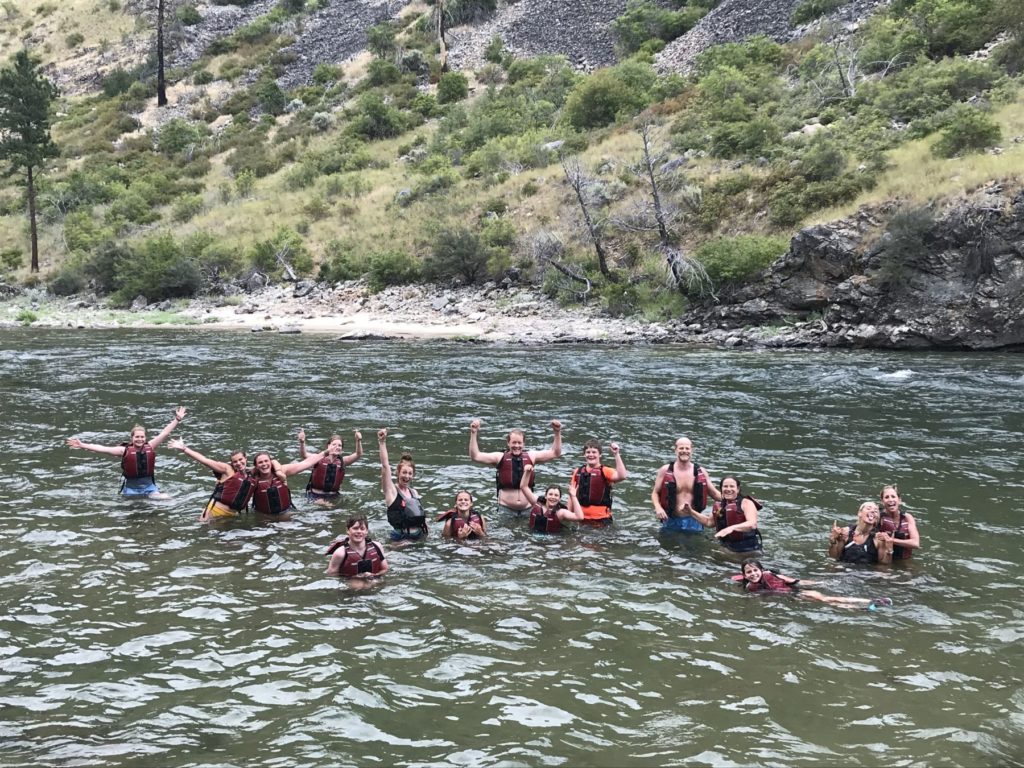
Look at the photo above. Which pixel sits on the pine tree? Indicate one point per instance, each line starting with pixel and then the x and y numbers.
pixel 25 96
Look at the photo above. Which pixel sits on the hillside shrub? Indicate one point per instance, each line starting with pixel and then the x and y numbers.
pixel 158 269
pixel 809 10
pixel 68 281
pixel 391 267
pixel 452 87
pixel 188 15
pixel 608 93
pixel 645 20
pixel 376 120
pixel 187 207
pixel 456 253
pixel 736 259
pixel 341 263
pixel 904 245
pixel 289 245
pixel 968 129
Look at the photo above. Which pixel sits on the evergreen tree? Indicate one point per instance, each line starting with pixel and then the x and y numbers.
pixel 25 96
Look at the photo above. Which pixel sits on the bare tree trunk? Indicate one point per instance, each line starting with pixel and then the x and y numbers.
pixel 161 84
pixel 441 44
pixel 578 181
pixel 32 220
pixel 659 211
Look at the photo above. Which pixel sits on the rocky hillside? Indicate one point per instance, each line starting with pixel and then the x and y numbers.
pixel 950 278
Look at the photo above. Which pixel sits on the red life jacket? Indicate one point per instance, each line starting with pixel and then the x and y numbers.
pixel 770 582
pixel 667 497
pixel 900 530
pixel 543 520
pixel 458 523
pixel 731 513
pixel 354 564
pixel 271 497
pixel 235 492
pixel 327 475
pixel 510 470
pixel 138 462
pixel 592 488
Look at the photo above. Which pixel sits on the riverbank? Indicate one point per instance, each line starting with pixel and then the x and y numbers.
pixel 490 313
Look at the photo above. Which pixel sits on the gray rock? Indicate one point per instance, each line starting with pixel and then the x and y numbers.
pixel 140 303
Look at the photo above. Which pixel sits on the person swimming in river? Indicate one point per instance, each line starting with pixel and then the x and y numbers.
pixel 593 482
pixel 736 518
pixel 328 474
pixel 138 458
pixel 680 493
pixel 899 524
pixel 462 521
pixel 549 514
pixel 405 508
pixel 756 578
pixel 355 555
pixel 862 542
pixel 271 495
pixel 510 463
pixel 235 485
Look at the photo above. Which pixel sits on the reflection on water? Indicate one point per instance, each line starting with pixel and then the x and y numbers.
pixel 132 635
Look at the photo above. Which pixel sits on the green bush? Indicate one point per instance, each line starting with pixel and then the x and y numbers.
pixel 968 129
pixel 74 40
pixel 188 15
pixel 600 98
pixel 68 281
pixel 327 74
pixel 11 259
pixel 376 120
pixel 457 253
pixel 452 87
pixel 202 77
pixel 380 39
pixel 736 259
pixel 468 11
pixel 179 135
pixel 187 207
pixel 645 20
pixel 809 10
pixel 82 233
pixel 287 244
pixel 391 268
pixel 118 81
pixel 157 269
pixel 341 264
pixel 381 72
pixel 495 51
pixel 905 244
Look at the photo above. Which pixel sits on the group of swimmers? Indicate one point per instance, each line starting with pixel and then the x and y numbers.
pixel 680 498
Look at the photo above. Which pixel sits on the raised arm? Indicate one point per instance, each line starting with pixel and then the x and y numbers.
pixel 179 414
pixel 475 454
pixel 574 512
pixel 358 453
pixel 749 523
pixel 836 540
pixel 713 490
pixel 302 443
pixel 219 467
pixel 524 485
pixel 387 484
pixel 109 450
pixel 556 445
pixel 620 467
pixel 299 466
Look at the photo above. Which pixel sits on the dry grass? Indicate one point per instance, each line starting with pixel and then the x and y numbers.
pixel 917 176
pixel 44 27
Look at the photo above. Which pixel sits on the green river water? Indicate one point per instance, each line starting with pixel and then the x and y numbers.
pixel 133 635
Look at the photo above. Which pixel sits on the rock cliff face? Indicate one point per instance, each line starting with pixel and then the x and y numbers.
pixel 841 284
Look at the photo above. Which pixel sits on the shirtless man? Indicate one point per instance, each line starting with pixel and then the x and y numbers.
pixel 681 490
pixel 510 463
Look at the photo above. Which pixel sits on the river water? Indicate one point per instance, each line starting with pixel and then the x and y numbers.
pixel 133 635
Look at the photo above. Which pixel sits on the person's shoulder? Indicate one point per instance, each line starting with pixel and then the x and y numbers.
pixel 608 472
